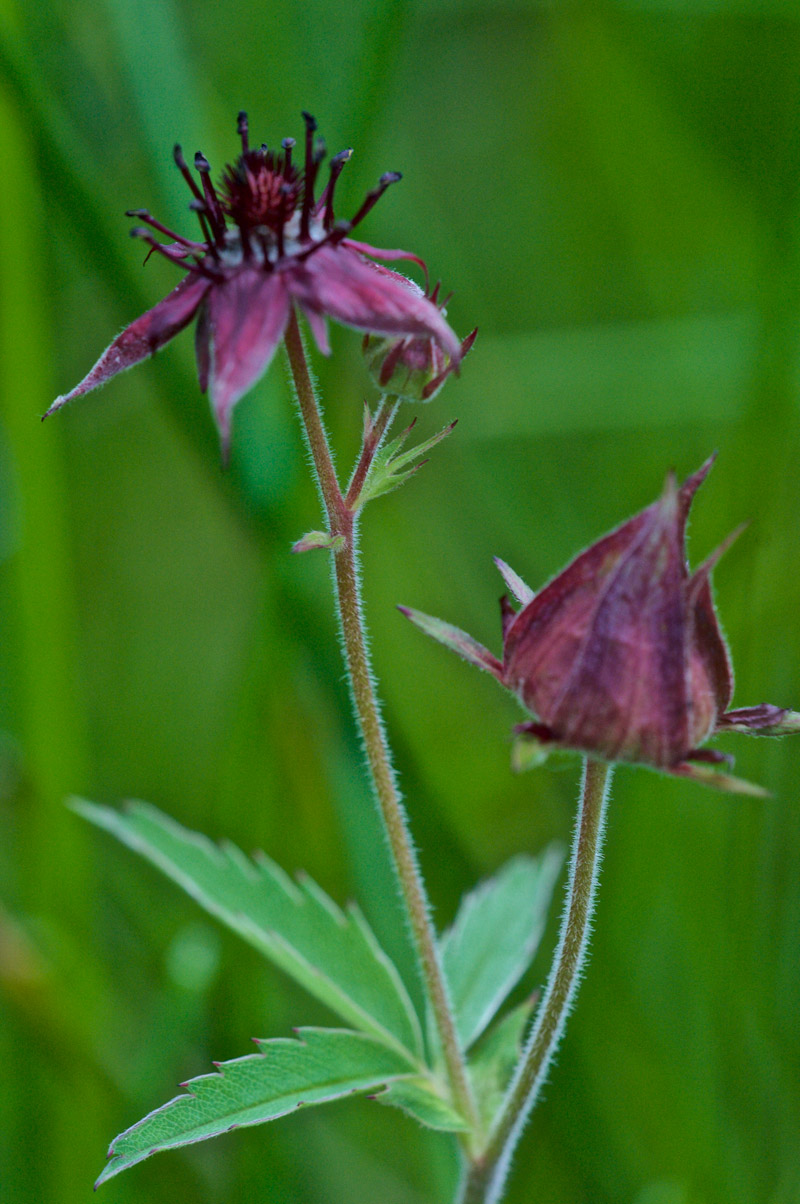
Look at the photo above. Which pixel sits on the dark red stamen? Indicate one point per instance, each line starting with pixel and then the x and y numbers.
pixel 263 242
pixel 173 256
pixel 320 150
pixel 288 145
pixel 242 129
pixel 213 207
pixel 309 173
pixel 145 216
pixel 183 167
pixel 286 191
pixel 433 385
pixel 391 361
pixel 202 269
pixel 339 231
pixel 326 200
pixel 372 198
pixel 199 207
pixel 244 235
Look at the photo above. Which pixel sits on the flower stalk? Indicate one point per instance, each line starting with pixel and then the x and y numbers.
pixel 343 519
pixel 485 1178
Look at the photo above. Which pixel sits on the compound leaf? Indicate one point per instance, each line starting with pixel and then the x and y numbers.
pixel 332 953
pixel 495 936
pixel 286 1074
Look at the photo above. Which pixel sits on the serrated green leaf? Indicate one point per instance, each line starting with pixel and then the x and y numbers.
pixel 286 1074
pixel 495 936
pixel 332 953
pixel 419 1098
pixel 400 460
pixel 390 468
pixel 495 1057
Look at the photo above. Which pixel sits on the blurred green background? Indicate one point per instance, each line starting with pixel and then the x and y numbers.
pixel 612 191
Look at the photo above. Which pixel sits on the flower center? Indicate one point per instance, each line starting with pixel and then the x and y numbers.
pixel 270 204
pixel 260 189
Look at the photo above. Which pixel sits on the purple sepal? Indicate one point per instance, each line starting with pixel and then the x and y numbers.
pixel 143 337
pixel 247 316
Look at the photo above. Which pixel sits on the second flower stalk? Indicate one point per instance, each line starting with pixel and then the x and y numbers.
pixel 487 1153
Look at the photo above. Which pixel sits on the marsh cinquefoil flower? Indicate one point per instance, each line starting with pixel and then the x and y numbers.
pixel 621 656
pixel 267 242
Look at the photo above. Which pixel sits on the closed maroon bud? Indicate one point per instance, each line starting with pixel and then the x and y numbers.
pixel 621 655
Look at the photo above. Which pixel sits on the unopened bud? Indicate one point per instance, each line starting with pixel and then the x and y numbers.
pixel 413 368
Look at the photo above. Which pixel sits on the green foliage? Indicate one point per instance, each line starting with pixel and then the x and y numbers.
pixel 423 1099
pixel 495 936
pixel 392 466
pixel 611 190
pixel 495 1056
pixel 336 957
pixel 323 1064
pixel 332 953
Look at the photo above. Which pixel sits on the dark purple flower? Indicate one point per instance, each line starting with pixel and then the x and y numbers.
pixel 268 242
pixel 621 656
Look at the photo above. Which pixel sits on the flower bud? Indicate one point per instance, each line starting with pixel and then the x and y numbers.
pixel 621 655
pixel 412 367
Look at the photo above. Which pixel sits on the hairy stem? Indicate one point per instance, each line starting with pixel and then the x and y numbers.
pixel 485 1178
pixel 312 422
pixel 343 522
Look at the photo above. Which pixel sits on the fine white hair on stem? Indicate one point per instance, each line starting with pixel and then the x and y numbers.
pixel 484 1181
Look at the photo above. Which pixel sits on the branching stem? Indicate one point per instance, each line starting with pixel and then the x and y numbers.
pixel 343 522
pixel 373 437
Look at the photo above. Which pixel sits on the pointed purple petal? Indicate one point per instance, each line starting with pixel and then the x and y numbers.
pixel 709 660
pixel 202 348
pixel 143 337
pixel 367 248
pixel 690 487
pixel 318 324
pixel 247 316
pixel 703 572
pixel 339 282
